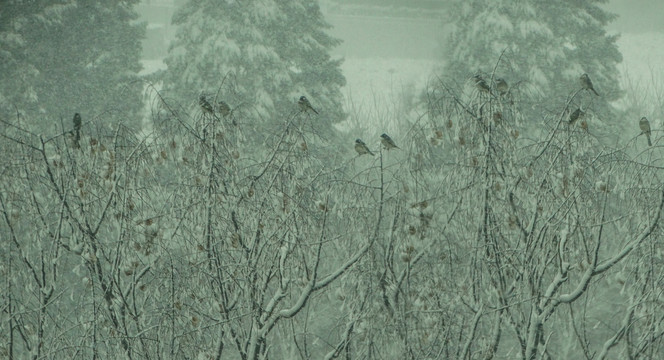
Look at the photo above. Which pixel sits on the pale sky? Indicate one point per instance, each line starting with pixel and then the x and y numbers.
pixel 637 16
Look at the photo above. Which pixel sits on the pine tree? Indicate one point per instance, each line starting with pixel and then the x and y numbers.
pixel 258 56
pixel 70 56
pixel 543 47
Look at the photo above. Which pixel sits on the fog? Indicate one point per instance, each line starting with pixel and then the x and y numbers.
pixel 391 44
pixel 356 179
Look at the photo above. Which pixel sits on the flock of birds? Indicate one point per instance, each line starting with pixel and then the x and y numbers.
pixel 501 86
pixel 360 146
pixel 303 103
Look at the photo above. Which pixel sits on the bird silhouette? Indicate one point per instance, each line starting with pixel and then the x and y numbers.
pixel 362 148
pixel 644 124
pixel 501 86
pixel 305 105
pixel 575 116
pixel 387 142
pixel 481 84
pixel 205 105
pixel 77 129
pixel 587 84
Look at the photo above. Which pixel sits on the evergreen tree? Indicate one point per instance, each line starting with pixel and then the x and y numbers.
pixel 69 56
pixel 543 47
pixel 258 56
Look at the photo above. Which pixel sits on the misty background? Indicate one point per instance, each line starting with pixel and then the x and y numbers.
pixel 388 44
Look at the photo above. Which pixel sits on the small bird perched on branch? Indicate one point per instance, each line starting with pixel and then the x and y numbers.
pixel 77 122
pixel 481 84
pixel 587 84
pixel 387 142
pixel 77 129
pixel 644 124
pixel 362 148
pixel 575 116
pixel 305 105
pixel 205 105
pixel 501 86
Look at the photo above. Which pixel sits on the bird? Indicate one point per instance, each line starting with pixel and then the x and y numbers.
pixel 644 124
pixel 77 122
pixel 223 108
pixel 501 86
pixel 205 105
pixel 387 142
pixel 77 129
pixel 481 84
pixel 305 105
pixel 586 84
pixel 362 148
pixel 575 116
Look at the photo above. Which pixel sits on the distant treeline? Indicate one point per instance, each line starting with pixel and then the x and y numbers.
pixel 415 4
